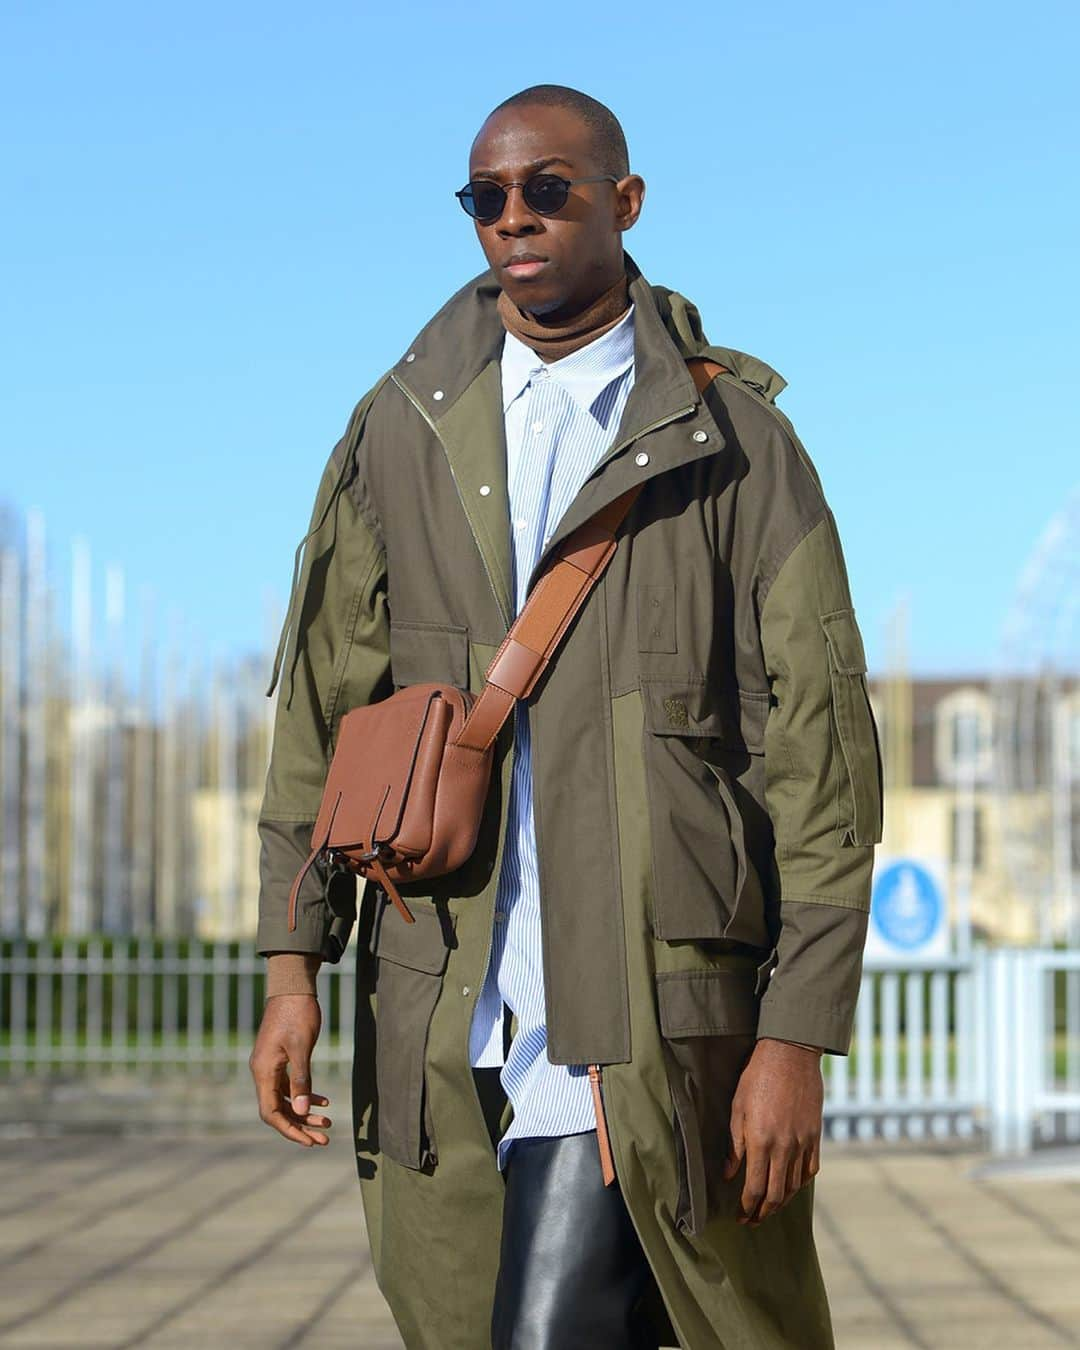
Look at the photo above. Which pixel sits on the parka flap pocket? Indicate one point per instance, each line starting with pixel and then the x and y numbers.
pixel 690 706
pixel 861 787
pixel 717 1002
pixel 429 652
pixel 685 706
pixel 423 945
pixel 845 642
pixel 408 981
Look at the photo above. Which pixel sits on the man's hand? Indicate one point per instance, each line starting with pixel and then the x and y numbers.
pixel 776 1126
pixel 290 1027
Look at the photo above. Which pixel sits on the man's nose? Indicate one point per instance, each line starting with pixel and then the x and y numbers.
pixel 516 219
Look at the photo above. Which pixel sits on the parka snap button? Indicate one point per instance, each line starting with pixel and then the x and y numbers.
pixel 411 357
pixel 484 489
pixel 701 436
pixel 437 395
pixel 641 458
pixel 465 992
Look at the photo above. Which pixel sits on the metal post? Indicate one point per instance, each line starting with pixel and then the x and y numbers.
pixel 11 740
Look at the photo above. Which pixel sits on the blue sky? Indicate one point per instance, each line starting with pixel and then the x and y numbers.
pixel 223 222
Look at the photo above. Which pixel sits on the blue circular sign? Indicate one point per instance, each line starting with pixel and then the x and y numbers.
pixel 906 905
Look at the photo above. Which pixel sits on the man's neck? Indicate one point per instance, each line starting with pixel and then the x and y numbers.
pixel 552 341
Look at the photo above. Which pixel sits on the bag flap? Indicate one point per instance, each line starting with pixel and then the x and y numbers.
pixel 372 768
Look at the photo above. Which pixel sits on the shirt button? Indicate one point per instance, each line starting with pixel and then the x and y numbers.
pixel 484 489
pixel 701 436
pixel 641 458
pixel 520 524
pixel 465 992
pixel 537 427
pixel 499 916
pixel 437 395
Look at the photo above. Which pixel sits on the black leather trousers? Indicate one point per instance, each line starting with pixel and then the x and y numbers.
pixel 571 1272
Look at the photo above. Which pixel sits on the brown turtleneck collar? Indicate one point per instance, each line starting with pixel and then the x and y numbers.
pixel 553 341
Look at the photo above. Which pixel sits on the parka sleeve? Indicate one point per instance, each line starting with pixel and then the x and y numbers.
pixel 823 788
pixel 336 656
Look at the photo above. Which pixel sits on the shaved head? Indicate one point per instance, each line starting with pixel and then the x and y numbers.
pixel 606 135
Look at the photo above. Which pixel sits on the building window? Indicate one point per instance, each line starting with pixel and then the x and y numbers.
pixel 963 740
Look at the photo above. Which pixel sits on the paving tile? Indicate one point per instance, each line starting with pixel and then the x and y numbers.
pixel 230 1239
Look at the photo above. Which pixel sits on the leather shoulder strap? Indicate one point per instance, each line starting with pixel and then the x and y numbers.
pixel 705 371
pixel 558 595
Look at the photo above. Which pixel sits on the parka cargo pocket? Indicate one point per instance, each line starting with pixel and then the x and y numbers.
pixel 708 1021
pixel 861 789
pixel 705 884
pixel 420 652
pixel 408 978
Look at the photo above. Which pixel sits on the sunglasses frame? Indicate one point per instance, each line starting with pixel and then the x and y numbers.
pixel 567 183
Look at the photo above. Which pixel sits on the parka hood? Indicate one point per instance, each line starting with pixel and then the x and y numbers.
pixel 683 322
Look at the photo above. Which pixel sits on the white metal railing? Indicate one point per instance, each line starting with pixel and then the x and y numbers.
pixel 913 1069
pixel 1032 1034
pixel 147 1003
pixel 942 1050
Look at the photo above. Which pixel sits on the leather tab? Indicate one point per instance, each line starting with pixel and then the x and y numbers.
pixel 319 839
pixel 391 890
pixel 607 1161
pixel 515 668
pixel 294 893
pixel 587 548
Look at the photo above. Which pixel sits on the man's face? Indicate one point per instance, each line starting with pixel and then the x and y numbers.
pixel 552 266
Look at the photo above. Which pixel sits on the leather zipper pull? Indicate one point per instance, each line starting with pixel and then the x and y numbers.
pixel 607 1162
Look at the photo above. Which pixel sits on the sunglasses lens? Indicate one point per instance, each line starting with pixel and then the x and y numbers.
pixel 483 200
pixel 546 193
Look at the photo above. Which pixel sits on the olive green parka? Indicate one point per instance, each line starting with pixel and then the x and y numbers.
pixel 707 794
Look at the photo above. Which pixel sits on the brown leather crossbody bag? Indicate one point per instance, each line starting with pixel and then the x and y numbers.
pixel 406 787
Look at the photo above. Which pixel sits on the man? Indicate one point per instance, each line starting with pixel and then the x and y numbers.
pixel 672 876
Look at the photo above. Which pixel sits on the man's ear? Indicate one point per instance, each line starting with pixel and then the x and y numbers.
pixel 629 199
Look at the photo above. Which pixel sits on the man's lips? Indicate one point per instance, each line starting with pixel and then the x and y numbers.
pixel 523 265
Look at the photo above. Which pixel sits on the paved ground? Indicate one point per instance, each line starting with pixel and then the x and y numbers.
pixel 235 1240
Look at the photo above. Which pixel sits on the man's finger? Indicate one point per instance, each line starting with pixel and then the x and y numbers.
pixel 756 1182
pixel 797 1177
pixel 299 1079
pixel 271 1104
pixel 777 1193
pixel 736 1151
pixel 320 1122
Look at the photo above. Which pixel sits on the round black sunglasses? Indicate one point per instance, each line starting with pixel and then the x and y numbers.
pixel 544 193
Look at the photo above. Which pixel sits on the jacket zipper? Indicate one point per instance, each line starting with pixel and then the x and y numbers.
pixel 607 1162
pixel 461 497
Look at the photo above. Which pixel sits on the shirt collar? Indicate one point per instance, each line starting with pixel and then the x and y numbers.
pixel 584 374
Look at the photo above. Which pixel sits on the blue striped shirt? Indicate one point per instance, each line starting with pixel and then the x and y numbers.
pixel 561 418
